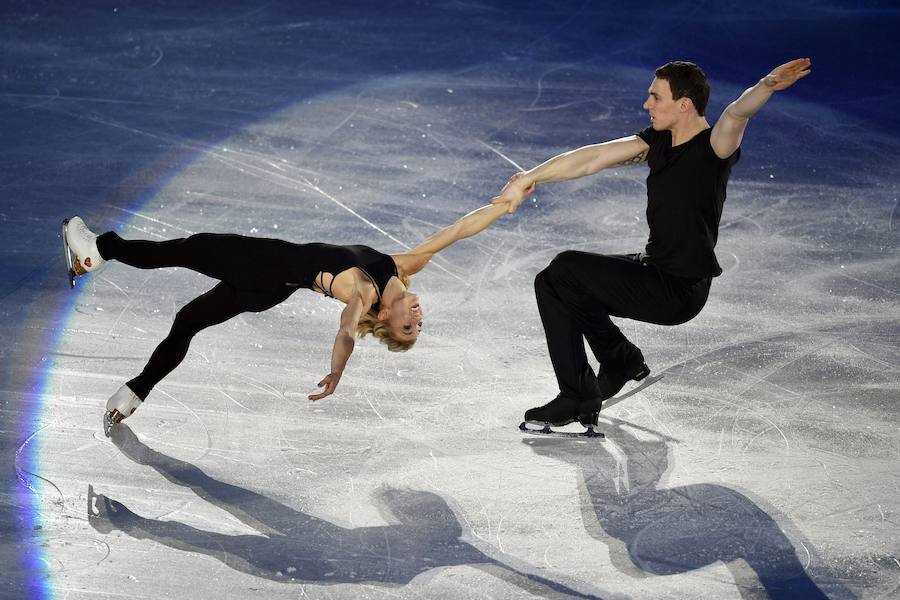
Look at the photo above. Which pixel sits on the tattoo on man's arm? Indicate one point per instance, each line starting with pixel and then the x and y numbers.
pixel 634 160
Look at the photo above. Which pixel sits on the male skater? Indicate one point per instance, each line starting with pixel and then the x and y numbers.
pixel 669 282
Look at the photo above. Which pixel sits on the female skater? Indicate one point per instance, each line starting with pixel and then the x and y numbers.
pixel 256 274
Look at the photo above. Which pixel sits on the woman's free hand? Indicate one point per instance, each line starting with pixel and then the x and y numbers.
pixel 329 383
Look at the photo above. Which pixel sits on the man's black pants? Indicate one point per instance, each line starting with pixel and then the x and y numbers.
pixel 579 292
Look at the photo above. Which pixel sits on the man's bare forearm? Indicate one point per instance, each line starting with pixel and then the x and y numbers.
pixel 729 130
pixel 588 160
pixel 580 162
pixel 568 165
pixel 753 99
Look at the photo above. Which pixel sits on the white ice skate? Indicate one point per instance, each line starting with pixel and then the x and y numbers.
pixel 119 407
pixel 80 245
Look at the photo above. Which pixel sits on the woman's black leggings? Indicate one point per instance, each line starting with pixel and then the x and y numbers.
pixel 248 283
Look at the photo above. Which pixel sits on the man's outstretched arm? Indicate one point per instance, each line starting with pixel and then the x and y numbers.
pixel 586 160
pixel 729 130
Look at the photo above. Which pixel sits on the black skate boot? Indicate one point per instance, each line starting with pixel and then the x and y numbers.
pixel 561 411
pixel 611 381
pixel 589 416
pixel 558 412
pixel 589 412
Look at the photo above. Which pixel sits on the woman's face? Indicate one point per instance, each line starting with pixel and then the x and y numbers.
pixel 404 317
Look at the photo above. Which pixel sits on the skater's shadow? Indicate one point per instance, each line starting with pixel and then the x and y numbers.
pixel 665 531
pixel 296 547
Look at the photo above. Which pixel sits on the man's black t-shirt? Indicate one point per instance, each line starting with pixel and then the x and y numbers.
pixel 685 194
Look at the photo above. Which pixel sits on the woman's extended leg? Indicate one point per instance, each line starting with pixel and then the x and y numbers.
pixel 215 306
pixel 244 262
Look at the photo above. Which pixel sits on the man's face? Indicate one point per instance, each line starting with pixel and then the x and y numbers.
pixel 664 111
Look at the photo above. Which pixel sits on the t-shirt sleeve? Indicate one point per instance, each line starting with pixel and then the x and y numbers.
pixel 649 135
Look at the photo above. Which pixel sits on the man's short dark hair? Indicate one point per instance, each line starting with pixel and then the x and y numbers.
pixel 686 80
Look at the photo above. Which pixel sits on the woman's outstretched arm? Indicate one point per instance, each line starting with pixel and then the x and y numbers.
pixel 344 342
pixel 412 261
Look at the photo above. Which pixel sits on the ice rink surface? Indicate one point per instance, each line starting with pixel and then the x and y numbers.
pixel 765 464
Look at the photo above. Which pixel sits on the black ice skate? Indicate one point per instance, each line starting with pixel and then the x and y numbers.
pixel 645 383
pixel 587 413
pixel 611 381
pixel 559 412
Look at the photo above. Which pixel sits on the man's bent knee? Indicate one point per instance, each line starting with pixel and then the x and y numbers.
pixel 563 262
pixel 563 267
pixel 540 280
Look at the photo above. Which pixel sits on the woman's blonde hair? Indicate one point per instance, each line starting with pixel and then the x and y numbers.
pixel 369 324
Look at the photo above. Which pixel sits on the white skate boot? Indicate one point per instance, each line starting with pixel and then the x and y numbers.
pixel 80 244
pixel 119 407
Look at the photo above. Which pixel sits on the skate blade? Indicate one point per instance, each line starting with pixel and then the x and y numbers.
pixel 73 264
pixel 68 253
pixel 110 418
pixel 547 429
pixel 643 384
